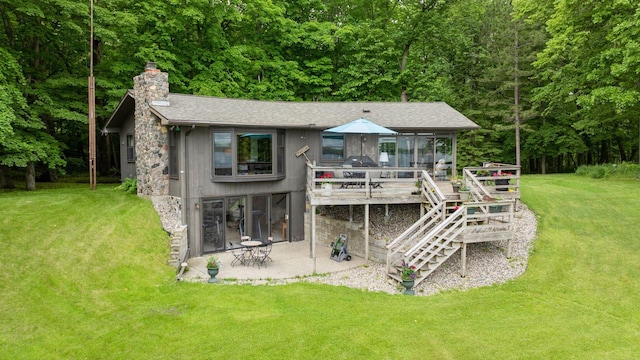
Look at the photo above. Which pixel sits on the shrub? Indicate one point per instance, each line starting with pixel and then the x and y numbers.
pixel 129 186
pixel 623 170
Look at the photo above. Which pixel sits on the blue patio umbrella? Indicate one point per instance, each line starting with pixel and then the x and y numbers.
pixel 361 126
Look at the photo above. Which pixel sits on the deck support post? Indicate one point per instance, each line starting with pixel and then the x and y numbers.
pixel 509 248
pixel 463 259
pixel 350 213
pixel 366 233
pixel 313 236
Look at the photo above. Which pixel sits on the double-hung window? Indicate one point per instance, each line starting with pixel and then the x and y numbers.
pixel 131 149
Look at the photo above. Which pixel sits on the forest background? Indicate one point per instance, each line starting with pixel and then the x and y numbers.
pixel 553 83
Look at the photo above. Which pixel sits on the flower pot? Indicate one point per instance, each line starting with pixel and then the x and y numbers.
pixel 456 188
pixel 212 273
pixel 495 208
pixel 471 210
pixel 502 182
pixel 326 189
pixel 408 287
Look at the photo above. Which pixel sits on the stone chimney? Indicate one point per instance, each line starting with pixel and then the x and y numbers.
pixel 152 139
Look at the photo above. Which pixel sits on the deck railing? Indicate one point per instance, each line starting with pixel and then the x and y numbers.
pixel 497 179
pixel 366 183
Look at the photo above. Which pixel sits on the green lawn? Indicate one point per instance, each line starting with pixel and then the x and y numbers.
pixel 84 277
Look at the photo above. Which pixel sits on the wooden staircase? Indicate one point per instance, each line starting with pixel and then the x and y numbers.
pixel 426 244
pixel 443 230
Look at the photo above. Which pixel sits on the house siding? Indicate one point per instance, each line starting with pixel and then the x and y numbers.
pixel 127 169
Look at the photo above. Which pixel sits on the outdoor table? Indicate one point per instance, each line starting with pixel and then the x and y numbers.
pixel 252 246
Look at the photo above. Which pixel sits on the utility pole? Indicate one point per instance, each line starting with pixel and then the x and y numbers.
pixel 92 113
pixel 516 93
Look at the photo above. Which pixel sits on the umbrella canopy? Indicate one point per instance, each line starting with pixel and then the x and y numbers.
pixel 360 161
pixel 361 126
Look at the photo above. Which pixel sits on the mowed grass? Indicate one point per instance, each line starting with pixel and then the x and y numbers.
pixel 84 277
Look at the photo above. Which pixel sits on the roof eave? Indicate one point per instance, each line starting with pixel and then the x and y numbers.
pixel 120 113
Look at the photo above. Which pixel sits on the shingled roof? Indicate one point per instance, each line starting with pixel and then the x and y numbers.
pixel 205 111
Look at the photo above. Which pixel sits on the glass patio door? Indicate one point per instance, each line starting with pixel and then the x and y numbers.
pixel 405 155
pixel 279 217
pixel 212 225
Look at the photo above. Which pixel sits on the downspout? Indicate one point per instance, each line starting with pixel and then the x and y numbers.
pixel 184 193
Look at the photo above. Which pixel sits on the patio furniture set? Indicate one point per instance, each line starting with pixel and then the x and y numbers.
pixel 252 252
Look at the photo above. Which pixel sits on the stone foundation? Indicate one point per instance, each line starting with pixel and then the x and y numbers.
pixel 169 208
pixel 329 229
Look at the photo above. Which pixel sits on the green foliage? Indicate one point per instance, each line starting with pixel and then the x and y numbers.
pixel 130 186
pixel 577 67
pixel 624 170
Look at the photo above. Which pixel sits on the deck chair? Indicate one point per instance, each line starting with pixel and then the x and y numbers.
pixel 381 175
pixel 440 171
pixel 239 254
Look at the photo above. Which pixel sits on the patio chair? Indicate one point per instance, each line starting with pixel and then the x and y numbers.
pixel 440 170
pixel 239 254
pixel 263 253
pixel 381 175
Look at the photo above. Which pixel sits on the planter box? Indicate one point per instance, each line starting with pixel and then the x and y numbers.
pixel 495 208
pixel 502 182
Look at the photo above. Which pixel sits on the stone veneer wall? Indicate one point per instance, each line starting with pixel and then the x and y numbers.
pixel 329 229
pixel 152 159
pixel 169 208
pixel 151 138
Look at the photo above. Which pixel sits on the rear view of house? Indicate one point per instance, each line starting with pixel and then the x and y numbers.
pixel 230 167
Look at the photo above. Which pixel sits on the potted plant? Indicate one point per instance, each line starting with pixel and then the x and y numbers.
pixel 418 184
pixel 408 275
pixel 501 181
pixel 495 208
pixel 326 186
pixel 213 267
pixel 456 184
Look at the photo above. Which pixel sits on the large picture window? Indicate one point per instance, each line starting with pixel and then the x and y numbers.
pixel 332 147
pixel 254 155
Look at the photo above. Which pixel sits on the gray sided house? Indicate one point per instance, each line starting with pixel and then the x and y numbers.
pixel 229 167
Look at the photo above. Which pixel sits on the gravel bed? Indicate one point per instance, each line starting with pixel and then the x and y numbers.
pixel 487 263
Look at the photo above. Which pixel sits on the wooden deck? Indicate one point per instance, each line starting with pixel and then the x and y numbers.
pixel 449 221
pixel 372 186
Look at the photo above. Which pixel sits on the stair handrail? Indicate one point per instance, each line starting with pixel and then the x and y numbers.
pixel 422 225
pixel 430 190
pixel 419 223
pixel 477 191
pixel 457 216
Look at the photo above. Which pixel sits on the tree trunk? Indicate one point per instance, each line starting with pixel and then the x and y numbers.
pixel 5 178
pixel 623 154
pixel 543 160
pixel 31 176
pixel 403 64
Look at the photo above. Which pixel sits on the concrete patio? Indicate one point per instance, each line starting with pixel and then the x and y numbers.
pixel 290 260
